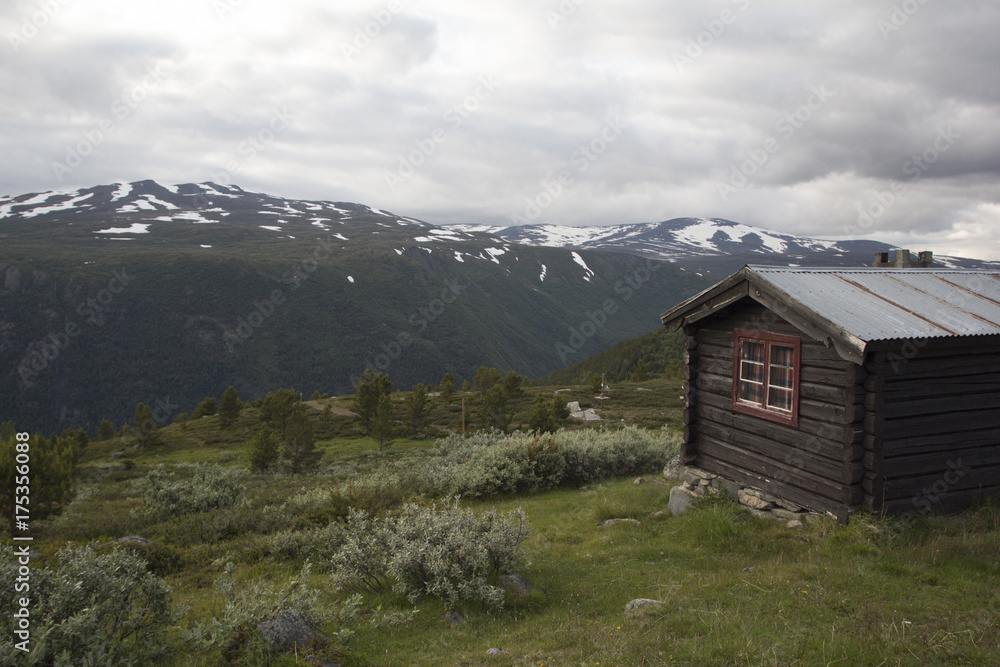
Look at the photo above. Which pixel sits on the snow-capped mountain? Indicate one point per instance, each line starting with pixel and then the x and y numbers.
pixel 691 238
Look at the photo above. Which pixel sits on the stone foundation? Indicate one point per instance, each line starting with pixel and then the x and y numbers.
pixel 699 483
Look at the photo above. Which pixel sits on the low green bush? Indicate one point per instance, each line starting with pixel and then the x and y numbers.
pixel 445 552
pixel 92 609
pixel 210 487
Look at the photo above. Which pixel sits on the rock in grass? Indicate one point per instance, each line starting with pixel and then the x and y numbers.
pixel 287 628
pixel 516 583
pixel 639 603
pixel 135 539
pixel 794 524
pixel 494 651
pixel 680 501
pixel 454 617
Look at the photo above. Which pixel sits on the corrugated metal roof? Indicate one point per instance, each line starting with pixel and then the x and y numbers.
pixel 889 303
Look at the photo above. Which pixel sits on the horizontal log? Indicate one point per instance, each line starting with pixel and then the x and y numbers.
pixel 943 504
pixel 811 432
pixel 949 405
pixel 907 369
pixel 690 356
pixel 942 482
pixel 940 424
pixel 785 457
pixel 803 489
pixel 894 445
pixel 938 463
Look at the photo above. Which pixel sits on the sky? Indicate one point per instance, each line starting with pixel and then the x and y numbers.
pixel 846 119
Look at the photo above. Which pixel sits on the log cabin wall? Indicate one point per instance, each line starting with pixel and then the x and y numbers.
pixel 932 436
pixel 816 464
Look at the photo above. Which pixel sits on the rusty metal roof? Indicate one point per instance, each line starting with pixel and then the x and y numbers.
pixel 853 307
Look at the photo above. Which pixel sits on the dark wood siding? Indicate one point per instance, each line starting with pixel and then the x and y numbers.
pixel 932 439
pixel 817 464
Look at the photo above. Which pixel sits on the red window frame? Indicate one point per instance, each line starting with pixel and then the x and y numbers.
pixel 772 385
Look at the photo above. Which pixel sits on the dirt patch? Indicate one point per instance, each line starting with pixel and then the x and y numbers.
pixel 343 412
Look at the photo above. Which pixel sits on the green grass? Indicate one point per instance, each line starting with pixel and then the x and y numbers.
pixel 736 590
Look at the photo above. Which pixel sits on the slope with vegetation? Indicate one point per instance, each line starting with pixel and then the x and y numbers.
pixel 226 526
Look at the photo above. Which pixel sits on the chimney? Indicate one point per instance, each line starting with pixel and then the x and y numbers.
pixel 901 260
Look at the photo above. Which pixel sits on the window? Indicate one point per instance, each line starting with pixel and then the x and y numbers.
pixel 766 375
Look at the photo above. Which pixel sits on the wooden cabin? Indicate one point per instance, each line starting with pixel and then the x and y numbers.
pixel 846 389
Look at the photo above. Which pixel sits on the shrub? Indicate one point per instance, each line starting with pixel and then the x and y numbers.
pixel 94 609
pixel 317 545
pixel 232 629
pixel 591 455
pixel 210 487
pixel 442 551
pixel 263 449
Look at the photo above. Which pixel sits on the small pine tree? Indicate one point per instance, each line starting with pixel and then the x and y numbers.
pixel 466 387
pixel 541 420
pixel 263 449
pixel 279 407
pixel 105 431
pixel 316 395
pixel 640 374
pixel 205 408
pixel 447 388
pixel 300 445
pixel 560 409
pixel 512 385
pixel 484 379
pixel 383 422
pixel 416 408
pixel 493 412
pixel 229 407
pixel 367 395
pixel 146 427
pixel 595 381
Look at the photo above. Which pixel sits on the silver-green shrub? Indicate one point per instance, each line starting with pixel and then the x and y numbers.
pixel 591 455
pixel 318 545
pixel 210 487
pixel 245 605
pixel 442 551
pixel 488 464
pixel 93 609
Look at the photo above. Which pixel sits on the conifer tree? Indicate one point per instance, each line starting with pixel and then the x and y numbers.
pixel 229 407
pixel 416 408
pixel 383 422
pixel 447 388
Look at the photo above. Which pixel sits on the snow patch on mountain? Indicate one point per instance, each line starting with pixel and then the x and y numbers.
pixel 579 260
pixel 136 228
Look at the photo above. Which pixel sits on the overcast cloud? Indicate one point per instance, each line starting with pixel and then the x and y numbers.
pixel 846 119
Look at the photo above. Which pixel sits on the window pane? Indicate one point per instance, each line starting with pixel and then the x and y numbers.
pixel 752 372
pixel 781 377
pixel 753 352
pixel 752 392
pixel 781 355
pixel 779 398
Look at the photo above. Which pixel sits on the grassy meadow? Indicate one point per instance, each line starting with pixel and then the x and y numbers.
pixel 735 589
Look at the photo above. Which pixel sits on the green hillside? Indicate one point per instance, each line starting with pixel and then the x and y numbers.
pixel 88 330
